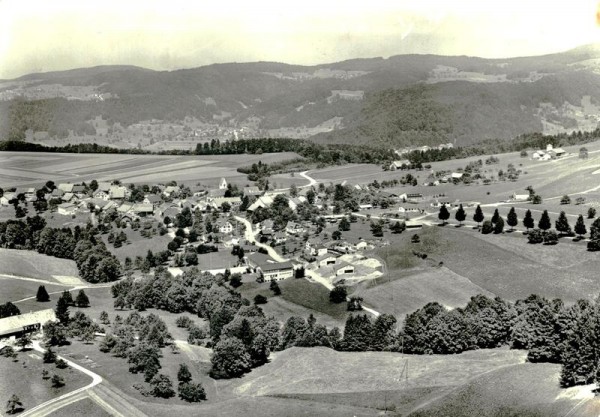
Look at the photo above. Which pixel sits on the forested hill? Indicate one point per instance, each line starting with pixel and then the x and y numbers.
pixel 398 101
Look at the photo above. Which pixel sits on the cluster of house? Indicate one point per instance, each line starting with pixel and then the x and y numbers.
pixel 432 180
pixel 548 154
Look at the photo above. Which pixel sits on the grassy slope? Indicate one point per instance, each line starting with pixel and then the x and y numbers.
pixel 14 289
pixel 523 390
pixel 85 407
pixel 34 265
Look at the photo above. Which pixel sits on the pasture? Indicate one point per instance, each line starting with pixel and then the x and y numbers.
pixel 27 383
pixel 19 169
pixel 34 265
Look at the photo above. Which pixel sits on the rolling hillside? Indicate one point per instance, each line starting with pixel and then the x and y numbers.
pixel 398 101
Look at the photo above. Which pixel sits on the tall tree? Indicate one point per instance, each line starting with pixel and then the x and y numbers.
pixel 495 217
pixel 545 222
pixel 444 214
pixel 562 224
pixel 82 299
pixel 511 218
pixel 499 225
pixel 478 216
pixel 580 228
pixel 183 374
pixel 528 221
pixel 42 294
pixel 62 310
pixel 460 215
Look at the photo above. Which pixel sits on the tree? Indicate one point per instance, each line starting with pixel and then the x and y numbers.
pixel 580 228
pixel 344 225
pixel 591 213
pixel 82 299
pixel 478 216
pixel 9 309
pixel 183 374
pixel 562 224
pixel 68 298
pixel 499 226
pixel 274 286
pixel 104 317
pixel 335 235
pixel 495 217
pixel 583 153
pixel 535 236
pixel 444 214
pixel 544 222
pixel 460 215
pixel 42 294
pixel 377 229
pixel 236 280
pixel 57 381
pixel 230 358
pixel 13 404
pixel 49 356
pixel 511 218
pixel 61 364
pixel 260 299
pixel 550 238
pixel 192 392
pixel 62 311
pixel 536 199
pixel 338 294
pixel 528 220
pixel 398 227
pixel 565 199
pixel 23 341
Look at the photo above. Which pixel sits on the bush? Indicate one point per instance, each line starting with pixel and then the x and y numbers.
pixel 57 381
pixel 593 245
pixel 61 364
pixel 338 294
pixel 183 321
pixel 591 213
pixel 550 238
pixel 260 299
pixel 487 227
pixel 192 392
pixel 49 356
pixel 535 236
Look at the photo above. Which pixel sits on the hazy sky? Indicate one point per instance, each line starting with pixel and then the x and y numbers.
pixel 46 35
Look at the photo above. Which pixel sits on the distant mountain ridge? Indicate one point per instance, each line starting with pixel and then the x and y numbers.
pixel 399 101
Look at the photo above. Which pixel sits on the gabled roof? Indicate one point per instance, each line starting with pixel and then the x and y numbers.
pixel 78 189
pixel 66 187
pixel 104 186
pixel 13 324
pixel 278 266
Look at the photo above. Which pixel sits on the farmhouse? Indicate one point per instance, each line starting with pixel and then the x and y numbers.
pixel 400 164
pixel 263 201
pixel 67 209
pixel 153 199
pixel 232 201
pixel 15 326
pixel 279 238
pixel 101 195
pixel 172 191
pixel 118 193
pixel 520 197
pixel 224 227
pixel 67 188
pixel 294 228
pixel 252 191
pixel 4 200
pixel 276 271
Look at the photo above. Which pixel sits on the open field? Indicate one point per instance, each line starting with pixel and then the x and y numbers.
pixel 15 289
pixel 32 168
pixel 508 266
pixel 523 390
pixel 34 265
pixel 24 378
pixel 402 295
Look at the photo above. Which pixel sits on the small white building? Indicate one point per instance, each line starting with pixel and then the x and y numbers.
pixel 276 271
pixel 344 268
pixel 225 227
pixel 15 326
pixel 67 209
pixel 223 184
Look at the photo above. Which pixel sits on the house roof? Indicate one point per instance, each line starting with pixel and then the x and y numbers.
pixel 78 189
pixel 66 187
pixel 325 256
pixel 117 192
pixel 13 324
pixel 278 266
pixel 143 208
pixel 343 265
pixel 251 190
pixel 153 198
pixel 104 186
pixel 66 205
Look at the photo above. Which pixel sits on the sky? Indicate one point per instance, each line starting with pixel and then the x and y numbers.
pixel 42 35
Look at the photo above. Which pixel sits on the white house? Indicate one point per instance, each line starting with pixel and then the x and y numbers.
pixel 225 227
pixel 101 195
pixel 520 197
pixel 4 200
pixel 325 260
pixel 223 184
pixel 67 209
